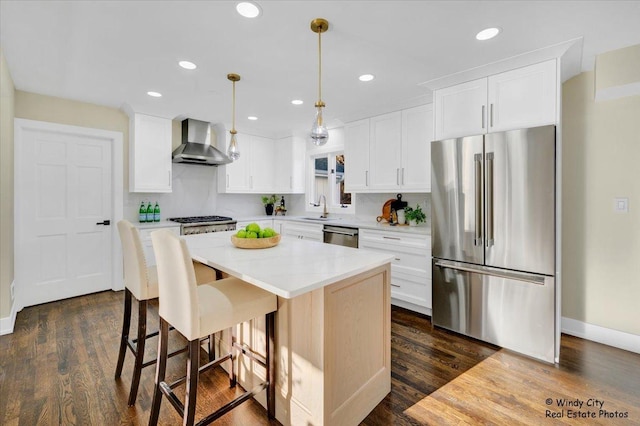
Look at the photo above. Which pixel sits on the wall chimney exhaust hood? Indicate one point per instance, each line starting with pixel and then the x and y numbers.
pixel 196 145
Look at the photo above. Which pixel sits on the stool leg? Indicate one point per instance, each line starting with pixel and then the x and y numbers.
pixel 161 368
pixel 193 364
pixel 271 365
pixel 124 337
pixel 232 370
pixel 142 337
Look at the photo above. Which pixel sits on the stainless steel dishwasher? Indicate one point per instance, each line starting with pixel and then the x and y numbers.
pixel 341 235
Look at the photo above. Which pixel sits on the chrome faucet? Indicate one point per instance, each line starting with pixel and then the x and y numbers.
pixel 325 213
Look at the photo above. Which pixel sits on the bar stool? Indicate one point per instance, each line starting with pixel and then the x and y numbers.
pixel 199 311
pixel 141 282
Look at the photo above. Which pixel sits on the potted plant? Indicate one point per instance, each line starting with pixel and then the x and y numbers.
pixel 415 215
pixel 269 202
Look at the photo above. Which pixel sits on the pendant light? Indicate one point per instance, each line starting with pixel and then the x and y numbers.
pixel 319 133
pixel 233 152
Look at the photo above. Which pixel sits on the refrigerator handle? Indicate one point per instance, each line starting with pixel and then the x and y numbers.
pixel 489 238
pixel 477 161
pixel 511 275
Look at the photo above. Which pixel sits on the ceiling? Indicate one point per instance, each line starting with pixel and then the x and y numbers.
pixel 113 52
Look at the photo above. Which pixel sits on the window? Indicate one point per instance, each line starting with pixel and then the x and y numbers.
pixel 327 178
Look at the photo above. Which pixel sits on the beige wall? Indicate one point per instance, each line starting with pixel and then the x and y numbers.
pixel 618 68
pixel 7 95
pixel 601 248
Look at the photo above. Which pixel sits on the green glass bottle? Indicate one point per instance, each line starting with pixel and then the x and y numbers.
pixel 150 212
pixel 156 213
pixel 142 213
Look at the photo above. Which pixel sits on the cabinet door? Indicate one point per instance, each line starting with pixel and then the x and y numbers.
pixel 289 164
pixel 356 154
pixel 150 159
pixel 417 134
pixel 385 151
pixel 235 176
pixel 261 178
pixel 460 110
pixel 522 98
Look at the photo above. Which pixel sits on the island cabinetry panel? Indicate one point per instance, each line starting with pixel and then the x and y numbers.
pixel 333 351
pixel 305 231
pixel 149 153
pixel 390 152
pixel 253 171
pixel 520 98
pixel 411 267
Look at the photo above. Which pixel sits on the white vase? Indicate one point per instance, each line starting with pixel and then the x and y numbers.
pixel 413 223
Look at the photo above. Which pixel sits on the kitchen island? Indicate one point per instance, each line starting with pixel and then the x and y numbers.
pixel 333 325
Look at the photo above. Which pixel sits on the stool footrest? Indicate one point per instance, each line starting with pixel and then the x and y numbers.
pixel 202 369
pixel 246 350
pixel 233 404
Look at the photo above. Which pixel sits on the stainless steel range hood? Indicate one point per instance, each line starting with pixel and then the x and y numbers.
pixel 196 145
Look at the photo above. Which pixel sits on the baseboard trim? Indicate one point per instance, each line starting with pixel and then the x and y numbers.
pixel 411 306
pixel 596 333
pixel 7 323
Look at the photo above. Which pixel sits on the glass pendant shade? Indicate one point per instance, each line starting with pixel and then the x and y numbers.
pixel 319 133
pixel 233 152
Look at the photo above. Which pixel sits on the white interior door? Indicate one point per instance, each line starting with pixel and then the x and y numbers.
pixel 63 191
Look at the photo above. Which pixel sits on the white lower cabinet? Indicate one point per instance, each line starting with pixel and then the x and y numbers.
pixel 411 266
pixel 147 246
pixel 306 231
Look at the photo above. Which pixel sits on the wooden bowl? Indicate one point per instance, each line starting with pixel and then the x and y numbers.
pixel 255 243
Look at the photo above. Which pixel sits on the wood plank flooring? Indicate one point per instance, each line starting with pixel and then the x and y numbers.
pixel 57 369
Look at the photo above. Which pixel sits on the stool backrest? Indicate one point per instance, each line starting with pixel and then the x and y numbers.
pixel 136 275
pixel 177 285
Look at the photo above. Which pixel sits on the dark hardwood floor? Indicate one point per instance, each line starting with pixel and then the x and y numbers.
pixel 57 368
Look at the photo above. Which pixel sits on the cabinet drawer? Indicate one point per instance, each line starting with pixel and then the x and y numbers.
pixel 408 242
pixel 418 294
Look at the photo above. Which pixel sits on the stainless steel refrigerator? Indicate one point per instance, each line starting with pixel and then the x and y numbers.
pixel 493 238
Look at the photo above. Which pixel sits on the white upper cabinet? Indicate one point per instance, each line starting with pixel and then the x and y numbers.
pixel 385 151
pixel 461 110
pixel 390 152
pixel 253 172
pixel 520 98
pixel 356 155
pixel 417 134
pixel 149 153
pixel 289 164
pixel 524 97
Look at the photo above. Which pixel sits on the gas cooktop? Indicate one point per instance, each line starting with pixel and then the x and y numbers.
pixel 201 219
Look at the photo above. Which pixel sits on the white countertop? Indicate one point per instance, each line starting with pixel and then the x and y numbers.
pixel 152 225
pixel 355 222
pixel 292 268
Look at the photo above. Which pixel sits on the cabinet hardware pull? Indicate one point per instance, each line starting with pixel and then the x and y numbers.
pixel 395 285
pixel 402 176
pixel 397 258
pixel 491 116
pixel 398 176
pixel 366 178
pixel 390 238
pixel 477 161
pixel 104 222
pixel 227 180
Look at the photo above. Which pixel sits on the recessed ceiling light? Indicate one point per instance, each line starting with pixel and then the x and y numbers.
pixel 248 9
pixel 252 118
pixel 187 65
pixel 487 33
pixel 366 77
pixel 297 102
pixel 154 94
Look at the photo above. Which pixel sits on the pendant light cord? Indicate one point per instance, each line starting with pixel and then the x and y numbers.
pixel 233 114
pixel 319 67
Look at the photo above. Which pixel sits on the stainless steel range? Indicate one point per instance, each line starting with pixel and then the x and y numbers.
pixel 204 224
